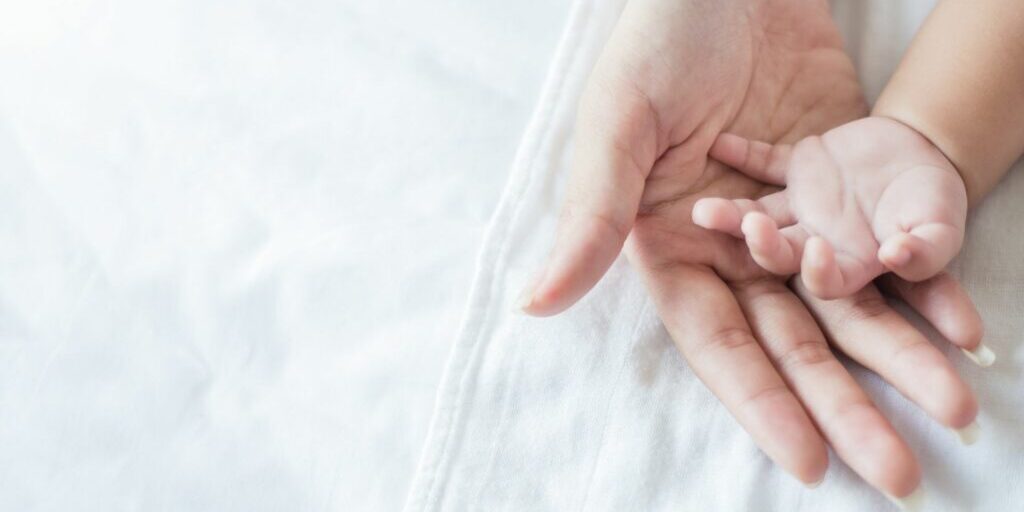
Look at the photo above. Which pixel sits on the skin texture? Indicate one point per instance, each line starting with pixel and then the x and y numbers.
pixel 964 93
pixel 672 78
pixel 868 197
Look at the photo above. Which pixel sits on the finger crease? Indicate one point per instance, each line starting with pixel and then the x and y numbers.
pixel 726 340
pixel 802 355
pixel 762 395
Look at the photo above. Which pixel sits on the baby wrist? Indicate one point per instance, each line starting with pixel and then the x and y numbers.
pixel 946 145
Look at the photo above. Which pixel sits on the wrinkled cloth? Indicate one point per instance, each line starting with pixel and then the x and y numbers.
pixel 595 410
pixel 237 238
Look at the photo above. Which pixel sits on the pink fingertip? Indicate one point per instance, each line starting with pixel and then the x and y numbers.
pixel 896 257
pixel 746 227
pixel 715 214
pixel 726 147
pixel 816 267
pixel 756 227
pixel 758 220
pixel 702 214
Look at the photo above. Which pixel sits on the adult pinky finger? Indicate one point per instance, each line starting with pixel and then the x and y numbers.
pixel 870 332
pixel 944 303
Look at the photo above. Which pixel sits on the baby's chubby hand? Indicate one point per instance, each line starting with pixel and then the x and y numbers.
pixel 865 198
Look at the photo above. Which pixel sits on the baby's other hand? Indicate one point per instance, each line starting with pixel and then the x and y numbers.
pixel 865 198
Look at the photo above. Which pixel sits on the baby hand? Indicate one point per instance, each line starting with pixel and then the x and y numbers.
pixel 865 198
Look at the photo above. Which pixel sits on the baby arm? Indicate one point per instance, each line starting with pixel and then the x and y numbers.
pixel 961 85
pixel 890 192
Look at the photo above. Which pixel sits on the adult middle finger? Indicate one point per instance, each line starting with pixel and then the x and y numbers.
pixel 844 414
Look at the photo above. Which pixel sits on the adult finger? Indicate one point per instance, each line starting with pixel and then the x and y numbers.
pixel 702 316
pixel 844 414
pixel 945 304
pixel 614 151
pixel 865 328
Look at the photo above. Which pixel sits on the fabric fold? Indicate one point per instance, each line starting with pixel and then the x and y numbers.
pixel 595 410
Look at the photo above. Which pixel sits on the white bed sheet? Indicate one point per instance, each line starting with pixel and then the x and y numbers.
pixel 595 410
pixel 236 239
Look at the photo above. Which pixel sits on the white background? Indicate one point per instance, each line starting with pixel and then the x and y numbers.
pixel 236 238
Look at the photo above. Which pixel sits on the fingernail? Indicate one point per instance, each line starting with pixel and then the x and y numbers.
pixel 911 502
pixel 525 298
pixel 523 301
pixel 981 355
pixel 814 485
pixel 969 434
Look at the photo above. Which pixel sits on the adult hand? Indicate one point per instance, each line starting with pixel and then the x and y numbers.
pixel 673 76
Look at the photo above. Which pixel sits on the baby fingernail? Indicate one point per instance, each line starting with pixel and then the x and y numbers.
pixel 981 355
pixel 911 502
pixel 969 434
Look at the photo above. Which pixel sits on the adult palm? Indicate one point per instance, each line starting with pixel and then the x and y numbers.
pixel 672 77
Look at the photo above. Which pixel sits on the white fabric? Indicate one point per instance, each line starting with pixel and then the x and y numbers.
pixel 595 410
pixel 236 239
